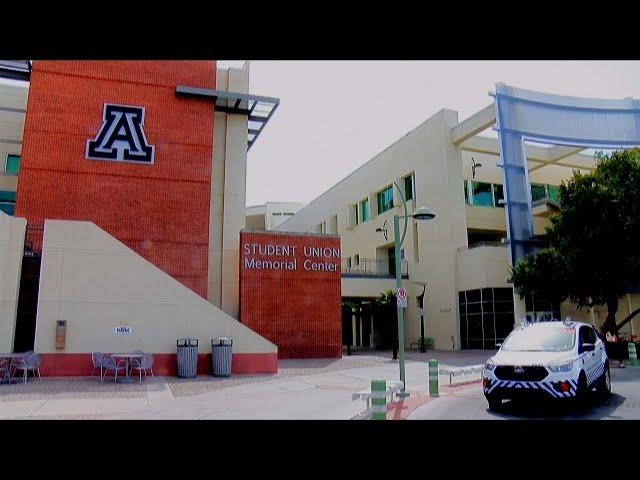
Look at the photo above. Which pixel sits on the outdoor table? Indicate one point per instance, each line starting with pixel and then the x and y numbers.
pixel 127 357
pixel 9 357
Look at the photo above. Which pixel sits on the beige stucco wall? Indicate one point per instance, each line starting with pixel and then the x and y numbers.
pixel 228 196
pixel 482 267
pixel 96 283
pixel 428 152
pixel 12 232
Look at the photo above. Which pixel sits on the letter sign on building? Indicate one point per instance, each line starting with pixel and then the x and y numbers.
pixel 121 136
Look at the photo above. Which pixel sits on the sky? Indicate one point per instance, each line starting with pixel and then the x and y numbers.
pixel 334 116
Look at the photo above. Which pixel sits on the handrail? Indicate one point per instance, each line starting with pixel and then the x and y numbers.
pixel 372 267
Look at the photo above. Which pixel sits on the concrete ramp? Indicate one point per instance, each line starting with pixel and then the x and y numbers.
pixel 96 284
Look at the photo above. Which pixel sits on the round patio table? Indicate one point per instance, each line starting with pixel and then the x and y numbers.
pixel 9 357
pixel 127 357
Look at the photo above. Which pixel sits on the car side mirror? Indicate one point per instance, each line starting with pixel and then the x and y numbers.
pixel 588 347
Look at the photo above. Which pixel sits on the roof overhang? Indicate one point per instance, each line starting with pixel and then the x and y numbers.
pixel 257 108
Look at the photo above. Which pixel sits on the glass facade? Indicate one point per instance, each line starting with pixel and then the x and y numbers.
pixel 12 164
pixel 498 195
pixel 364 209
pixel 385 199
pixel 553 192
pixel 482 194
pixel 7 202
pixel 486 317
pixel 538 192
pixel 408 187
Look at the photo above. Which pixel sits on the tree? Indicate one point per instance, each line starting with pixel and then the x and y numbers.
pixel 592 256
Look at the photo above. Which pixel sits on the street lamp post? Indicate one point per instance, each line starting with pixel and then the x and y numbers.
pixel 421 213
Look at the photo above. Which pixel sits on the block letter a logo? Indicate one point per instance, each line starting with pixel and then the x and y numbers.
pixel 121 136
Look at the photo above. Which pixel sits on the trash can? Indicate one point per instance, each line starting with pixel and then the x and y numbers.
pixel 221 353
pixel 187 357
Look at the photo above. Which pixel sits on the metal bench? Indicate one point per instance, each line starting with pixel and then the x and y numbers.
pixel 460 371
pixel 393 387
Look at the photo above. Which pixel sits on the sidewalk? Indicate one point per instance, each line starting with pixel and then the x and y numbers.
pixel 302 389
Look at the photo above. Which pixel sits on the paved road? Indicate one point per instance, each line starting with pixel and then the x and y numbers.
pixel 470 404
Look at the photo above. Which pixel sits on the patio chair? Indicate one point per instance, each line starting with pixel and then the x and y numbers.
pixel 135 360
pixel 110 364
pixel 29 361
pixel 143 364
pixel 97 358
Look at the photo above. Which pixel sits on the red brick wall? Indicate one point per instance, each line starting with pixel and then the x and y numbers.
pixel 298 310
pixel 162 210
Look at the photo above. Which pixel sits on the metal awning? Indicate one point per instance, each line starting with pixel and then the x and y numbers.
pixel 259 109
pixel 15 69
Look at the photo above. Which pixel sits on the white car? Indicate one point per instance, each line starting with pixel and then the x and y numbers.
pixel 549 360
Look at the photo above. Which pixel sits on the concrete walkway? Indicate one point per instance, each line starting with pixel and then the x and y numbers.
pixel 302 389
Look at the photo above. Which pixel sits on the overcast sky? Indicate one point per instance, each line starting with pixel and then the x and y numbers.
pixel 335 116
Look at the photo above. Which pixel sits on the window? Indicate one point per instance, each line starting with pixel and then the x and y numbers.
pixel 364 209
pixel 537 192
pixel 466 193
pixel 486 317
pixel 482 194
pixel 553 192
pixel 12 164
pixel 7 202
pixel 385 199
pixel 355 213
pixel 498 194
pixel 408 187
pixel 356 259
pixel 319 228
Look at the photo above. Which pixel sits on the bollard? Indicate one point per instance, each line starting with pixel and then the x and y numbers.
pixel 378 399
pixel 433 377
pixel 633 357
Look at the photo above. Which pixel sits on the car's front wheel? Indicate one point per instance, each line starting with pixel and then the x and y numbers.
pixel 582 391
pixel 604 383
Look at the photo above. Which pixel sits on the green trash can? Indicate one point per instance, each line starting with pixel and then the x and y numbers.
pixel 221 355
pixel 187 357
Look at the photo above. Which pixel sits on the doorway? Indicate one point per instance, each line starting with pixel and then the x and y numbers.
pixel 25 332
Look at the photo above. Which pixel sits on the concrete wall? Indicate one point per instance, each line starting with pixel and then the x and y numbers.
pixel 12 232
pixel 96 283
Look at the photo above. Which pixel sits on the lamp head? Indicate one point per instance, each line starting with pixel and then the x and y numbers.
pixel 423 213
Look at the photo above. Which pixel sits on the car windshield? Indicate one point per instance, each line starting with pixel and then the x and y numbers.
pixel 534 339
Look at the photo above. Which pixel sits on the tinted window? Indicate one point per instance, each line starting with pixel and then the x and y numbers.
pixel 540 339
pixel 482 194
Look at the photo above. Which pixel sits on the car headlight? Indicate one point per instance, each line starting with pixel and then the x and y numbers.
pixel 561 367
pixel 490 365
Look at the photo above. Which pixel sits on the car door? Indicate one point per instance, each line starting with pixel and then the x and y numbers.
pixel 588 359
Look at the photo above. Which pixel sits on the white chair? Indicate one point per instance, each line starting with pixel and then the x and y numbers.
pixel 143 364
pixel 97 358
pixel 110 364
pixel 29 361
